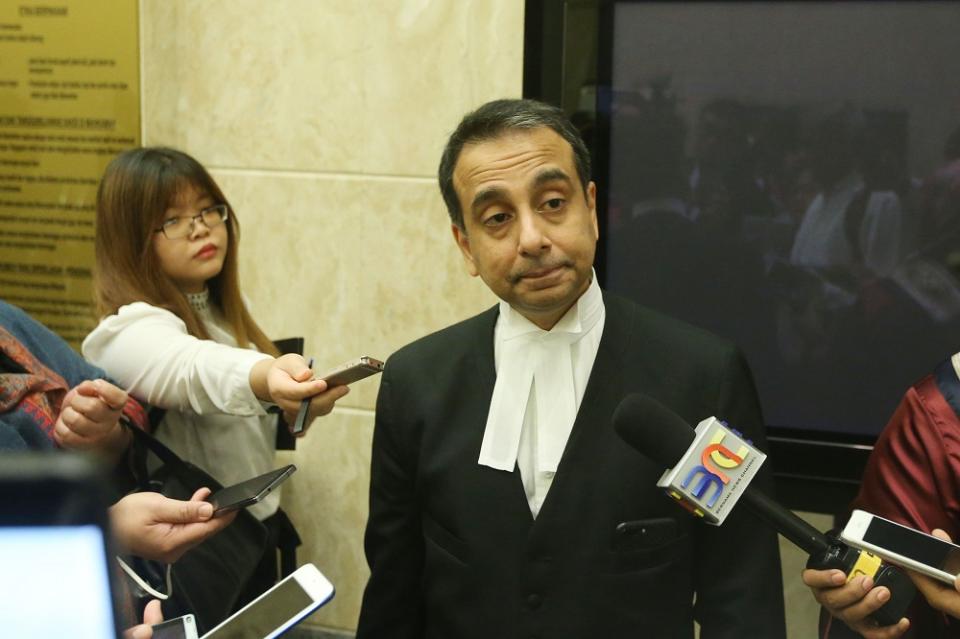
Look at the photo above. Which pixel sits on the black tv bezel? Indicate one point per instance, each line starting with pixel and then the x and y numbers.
pixel 814 470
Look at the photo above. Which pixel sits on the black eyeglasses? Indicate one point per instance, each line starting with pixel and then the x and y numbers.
pixel 180 227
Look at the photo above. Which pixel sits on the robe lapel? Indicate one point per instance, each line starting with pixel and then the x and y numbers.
pixel 504 489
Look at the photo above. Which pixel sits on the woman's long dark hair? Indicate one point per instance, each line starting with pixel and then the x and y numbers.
pixel 137 189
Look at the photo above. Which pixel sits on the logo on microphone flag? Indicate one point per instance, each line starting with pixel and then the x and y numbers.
pixel 713 473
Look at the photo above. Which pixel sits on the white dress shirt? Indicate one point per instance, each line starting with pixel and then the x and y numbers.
pixel 213 419
pixel 541 378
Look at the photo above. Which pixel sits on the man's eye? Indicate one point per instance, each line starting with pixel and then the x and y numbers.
pixel 496 219
pixel 553 204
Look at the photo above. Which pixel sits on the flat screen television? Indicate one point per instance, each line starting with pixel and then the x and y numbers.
pixel 786 175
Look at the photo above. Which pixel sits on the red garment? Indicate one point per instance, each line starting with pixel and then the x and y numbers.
pixel 38 391
pixel 912 477
pixel 35 391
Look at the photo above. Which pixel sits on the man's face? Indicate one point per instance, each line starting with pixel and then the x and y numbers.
pixel 530 232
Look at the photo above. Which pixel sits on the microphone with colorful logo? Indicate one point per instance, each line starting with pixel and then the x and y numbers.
pixel 709 471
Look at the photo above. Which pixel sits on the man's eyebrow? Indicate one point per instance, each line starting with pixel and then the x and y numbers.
pixel 485 196
pixel 551 175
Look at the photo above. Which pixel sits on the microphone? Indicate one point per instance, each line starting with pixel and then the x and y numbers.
pixel 709 471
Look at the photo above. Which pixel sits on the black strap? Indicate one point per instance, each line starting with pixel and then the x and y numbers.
pixel 287 541
pixel 155 416
pixel 144 442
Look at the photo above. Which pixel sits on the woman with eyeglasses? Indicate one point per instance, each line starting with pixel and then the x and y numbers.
pixel 175 330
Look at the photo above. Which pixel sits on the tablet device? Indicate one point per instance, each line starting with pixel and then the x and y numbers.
pixel 54 547
pixel 277 610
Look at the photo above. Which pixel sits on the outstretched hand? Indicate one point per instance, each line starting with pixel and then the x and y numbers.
pixel 288 380
pixel 156 527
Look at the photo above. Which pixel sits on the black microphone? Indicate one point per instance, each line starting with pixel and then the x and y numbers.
pixel 667 439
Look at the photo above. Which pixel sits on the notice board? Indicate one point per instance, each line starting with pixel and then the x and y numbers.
pixel 69 102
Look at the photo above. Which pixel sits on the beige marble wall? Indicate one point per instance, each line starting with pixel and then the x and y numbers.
pixel 323 121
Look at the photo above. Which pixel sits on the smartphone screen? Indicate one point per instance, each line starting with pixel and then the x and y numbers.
pixel 65 563
pixel 917 546
pixel 250 491
pixel 286 602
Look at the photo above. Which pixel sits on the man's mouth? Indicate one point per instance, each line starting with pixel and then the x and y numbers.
pixel 539 273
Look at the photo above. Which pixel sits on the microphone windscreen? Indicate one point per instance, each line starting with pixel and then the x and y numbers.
pixel 652 429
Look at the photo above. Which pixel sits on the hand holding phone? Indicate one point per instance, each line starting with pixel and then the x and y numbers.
pixel 903 546
pixel 298 424
pixel 184 627
pixel 939 595
pixel 352 371
pixel 248 492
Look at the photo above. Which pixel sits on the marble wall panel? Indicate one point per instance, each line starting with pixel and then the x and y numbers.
pixel 356 266
pixel 324 85
pixel 326 499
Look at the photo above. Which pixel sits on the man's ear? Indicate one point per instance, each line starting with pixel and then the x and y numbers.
pixel 591 196
pixel 463 243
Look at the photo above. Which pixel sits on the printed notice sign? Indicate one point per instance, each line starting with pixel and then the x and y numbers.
pixel 69 102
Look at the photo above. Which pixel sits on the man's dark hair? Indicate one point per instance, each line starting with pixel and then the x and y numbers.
pixel 492 120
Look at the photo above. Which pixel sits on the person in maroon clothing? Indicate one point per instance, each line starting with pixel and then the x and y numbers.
pixel 913 478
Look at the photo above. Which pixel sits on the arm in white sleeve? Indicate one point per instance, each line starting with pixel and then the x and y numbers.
pixel 150 353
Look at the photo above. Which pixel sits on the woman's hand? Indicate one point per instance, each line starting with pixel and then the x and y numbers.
pixel 286 381
pixel 90 419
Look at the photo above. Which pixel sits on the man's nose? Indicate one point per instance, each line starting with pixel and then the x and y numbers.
pixel 533 237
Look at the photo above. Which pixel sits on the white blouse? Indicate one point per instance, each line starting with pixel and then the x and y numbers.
pixel 213 419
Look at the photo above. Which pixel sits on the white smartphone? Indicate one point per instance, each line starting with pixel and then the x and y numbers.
pixel 903 546
pixel 184 627
pixel 278 609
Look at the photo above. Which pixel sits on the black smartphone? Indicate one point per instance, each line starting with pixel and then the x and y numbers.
pixel 248 492
pixel 352 371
